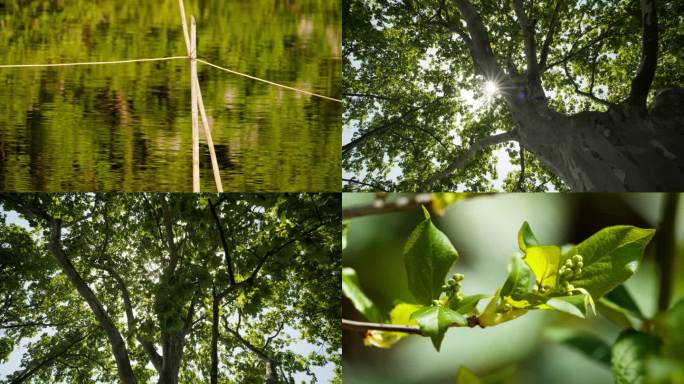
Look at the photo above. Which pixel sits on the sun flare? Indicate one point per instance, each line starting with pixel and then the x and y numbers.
pixel 490 88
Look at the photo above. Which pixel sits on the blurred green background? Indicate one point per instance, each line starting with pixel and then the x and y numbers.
pixel 483 229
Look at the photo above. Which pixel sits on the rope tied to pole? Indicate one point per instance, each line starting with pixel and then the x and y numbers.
pixel 169 58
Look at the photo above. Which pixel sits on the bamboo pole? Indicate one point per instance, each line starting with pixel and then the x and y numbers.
pixel 210 141
pixel 185 26
pixel 196 86
pixel 195 104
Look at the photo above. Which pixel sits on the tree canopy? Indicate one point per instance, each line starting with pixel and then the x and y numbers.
pixel 171 288
pixel 581 95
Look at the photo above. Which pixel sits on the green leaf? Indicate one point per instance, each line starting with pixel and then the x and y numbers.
pixel 428 255
pixel 518 280
pixel 401 315
pixel 630 354
pixel 621 297
pixel 610 257
pixel 586 343
pixel 468 304
pixel 574 305
pixel 466 376
pixel 434 322
pixel 352 290
pixel 526 237
pixel 544 261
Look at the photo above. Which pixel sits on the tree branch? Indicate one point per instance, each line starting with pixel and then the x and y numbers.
pixel 649 54
pixel 474 148
pixel 168 226
pixel 363 327
pixel 224 243
pixel 378 187
pixel 115 340
pixel 403 204
pixel 27 373
pixel 549 35
pixel 249 280
pixel 369 95
pixel 572 53
pixel 583 93
pixel 381 129
pixel 482 53
pixel 528 38
pixel 521 178
pixel 31 324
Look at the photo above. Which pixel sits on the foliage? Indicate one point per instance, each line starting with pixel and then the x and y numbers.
pixel 571 279
pixel 155 262
pixel 416 99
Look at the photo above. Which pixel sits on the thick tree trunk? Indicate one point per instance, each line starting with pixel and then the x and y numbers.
pixel 623 149
pixel 173 343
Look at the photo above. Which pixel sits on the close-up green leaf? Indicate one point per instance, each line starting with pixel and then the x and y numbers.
pixel 428 256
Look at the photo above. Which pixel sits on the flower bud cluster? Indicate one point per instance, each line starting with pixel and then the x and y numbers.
pixel 451 290
pixel 572 268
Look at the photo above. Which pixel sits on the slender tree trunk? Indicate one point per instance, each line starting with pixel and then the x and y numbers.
pixel 214 338
pixel 623 149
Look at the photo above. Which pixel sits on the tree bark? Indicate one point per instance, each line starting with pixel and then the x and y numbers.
pixel 615 151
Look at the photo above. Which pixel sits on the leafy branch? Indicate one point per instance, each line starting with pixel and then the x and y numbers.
pixel 540 276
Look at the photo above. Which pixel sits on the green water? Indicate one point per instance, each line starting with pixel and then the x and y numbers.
pixel 127 127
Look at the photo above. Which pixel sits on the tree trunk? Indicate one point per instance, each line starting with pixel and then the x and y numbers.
pixel 623 149
pixel 214 339
pixel 173 343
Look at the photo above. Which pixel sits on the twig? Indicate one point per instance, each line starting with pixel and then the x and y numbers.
pixel 361 326
pixel 402 204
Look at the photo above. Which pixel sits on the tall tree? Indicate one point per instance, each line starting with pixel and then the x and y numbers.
pixel 187 288
pixel 587 89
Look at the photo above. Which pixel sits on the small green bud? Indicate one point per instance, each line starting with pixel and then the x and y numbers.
pixel 436 302
pixel 507 307
pixel 535 289
pixel 579 265
pixel 578 271
pixel 445 287
pixel 458 277
pixel 577 258
pixel 568 263
pixel 570 288
pixel 451 282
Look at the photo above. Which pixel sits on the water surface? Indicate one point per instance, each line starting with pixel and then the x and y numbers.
pixel 127 127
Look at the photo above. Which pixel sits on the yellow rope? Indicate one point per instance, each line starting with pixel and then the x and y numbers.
pixel 268 82
pixel 164 59
pixel 93 62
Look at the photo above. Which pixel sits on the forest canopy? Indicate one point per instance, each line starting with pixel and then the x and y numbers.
pixel 581 95
pixel 190 288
